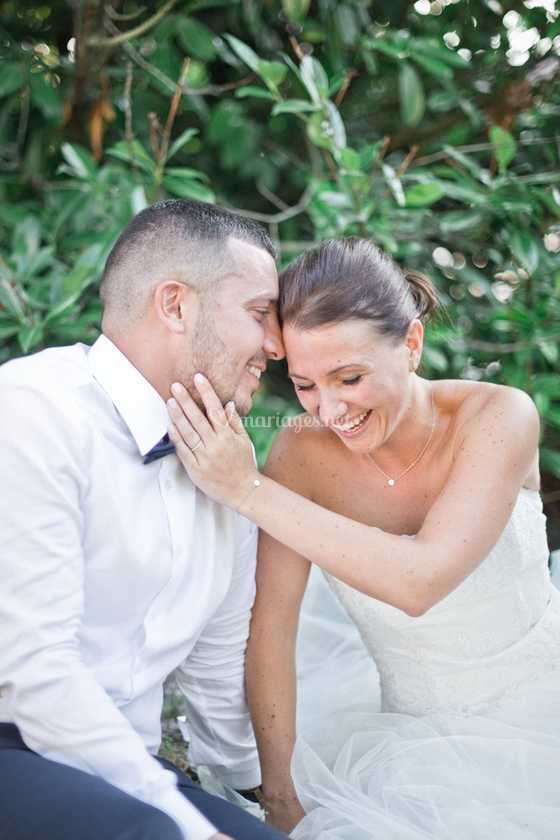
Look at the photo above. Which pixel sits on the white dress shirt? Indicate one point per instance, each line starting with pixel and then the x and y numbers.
pixel 113 574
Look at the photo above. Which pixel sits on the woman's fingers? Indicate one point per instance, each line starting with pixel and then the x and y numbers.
pixel 181 430
pixel 192 412
pixel 234 419
pixel 214 408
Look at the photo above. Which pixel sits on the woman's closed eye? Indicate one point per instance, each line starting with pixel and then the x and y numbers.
pixel 353 381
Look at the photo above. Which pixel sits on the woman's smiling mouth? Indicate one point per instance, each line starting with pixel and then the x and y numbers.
pixel 353 427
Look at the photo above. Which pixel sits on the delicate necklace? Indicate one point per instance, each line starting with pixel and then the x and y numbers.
pixel 392 481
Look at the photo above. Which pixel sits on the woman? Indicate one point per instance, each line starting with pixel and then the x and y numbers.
pixel 419 501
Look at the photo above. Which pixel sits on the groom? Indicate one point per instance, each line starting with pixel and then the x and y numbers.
pixel 115 570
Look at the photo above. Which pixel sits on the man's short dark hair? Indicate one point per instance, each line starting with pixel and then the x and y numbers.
pixel 184 236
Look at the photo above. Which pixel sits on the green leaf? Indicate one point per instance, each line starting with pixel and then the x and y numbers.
pixel 296 9
pixel 318 131
pixel 254 91
pixel 433 66
pixel 456 221
pixel 41 260
pixel 394 183
pixel 181 141
pixel 315 79
pixel 293 106
pixel 272 73
pixel 411 93
pixel 550 461
pixel 524 248
pixel 7 331
pixel 504 146
pixel 138 200
pixel 9 300
pixel 29 337
pixel 369 154
pixel 469 164
pixel 79 160
pixel 326 130
pixel 546 383
pixel 464 193
pixel 542 401
pixel 45 97
pixel 11 78
pixel 133 152
pixel 346 24
pixel 549 350
pixel 553 416
pixel 188 188
pixel 337 125
pixel 26 242
pixel 85 270
pixel 245 53
pixel 439 51
pixel 435 358
pixel 422 195
pixel 186 172
pixel 398 51
pixel 350 160
pixel 196 38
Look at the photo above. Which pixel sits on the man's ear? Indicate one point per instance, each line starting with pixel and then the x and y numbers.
pixel 175 304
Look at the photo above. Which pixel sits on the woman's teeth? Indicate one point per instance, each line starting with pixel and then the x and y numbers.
pixel 352 424
pixel 254 370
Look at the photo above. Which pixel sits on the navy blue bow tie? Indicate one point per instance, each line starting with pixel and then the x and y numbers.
pixel 160 450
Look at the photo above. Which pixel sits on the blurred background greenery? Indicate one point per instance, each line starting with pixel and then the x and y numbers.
pixel 431 127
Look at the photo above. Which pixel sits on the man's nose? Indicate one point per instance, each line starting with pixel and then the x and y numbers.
pixel 273 345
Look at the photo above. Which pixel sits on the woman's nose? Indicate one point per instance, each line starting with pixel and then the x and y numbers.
pixel 331 409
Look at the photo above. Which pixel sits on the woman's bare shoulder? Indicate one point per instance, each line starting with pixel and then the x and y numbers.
pixel 479 406
pixel 472 401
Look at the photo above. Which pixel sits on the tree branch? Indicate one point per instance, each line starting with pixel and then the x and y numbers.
pixel 209 90
pixel 283 215
pixel 122 37
pixel 496 347
pixel 480 147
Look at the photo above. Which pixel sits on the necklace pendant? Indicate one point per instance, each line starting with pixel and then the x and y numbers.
pixel 391 482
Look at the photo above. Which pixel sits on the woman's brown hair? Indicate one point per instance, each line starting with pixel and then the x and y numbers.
pixel 340 279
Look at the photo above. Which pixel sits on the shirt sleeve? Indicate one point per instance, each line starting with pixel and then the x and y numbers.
pixel 212 678
pixel 61 711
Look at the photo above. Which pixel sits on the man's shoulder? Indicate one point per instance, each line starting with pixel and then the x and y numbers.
pixel 53 370
pixel 46 383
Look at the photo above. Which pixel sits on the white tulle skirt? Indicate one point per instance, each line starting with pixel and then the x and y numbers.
pixel 362 774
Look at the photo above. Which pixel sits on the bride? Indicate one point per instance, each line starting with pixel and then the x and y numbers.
pixel 419 501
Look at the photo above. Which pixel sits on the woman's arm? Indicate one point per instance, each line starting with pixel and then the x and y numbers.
pixel 270 670
pixel 493 457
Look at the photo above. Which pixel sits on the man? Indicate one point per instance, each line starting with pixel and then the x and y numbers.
pixel 115 570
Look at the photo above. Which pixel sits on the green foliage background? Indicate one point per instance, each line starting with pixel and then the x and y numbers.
pixel 430 127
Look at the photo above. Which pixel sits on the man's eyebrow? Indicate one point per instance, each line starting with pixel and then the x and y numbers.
pixel 330 373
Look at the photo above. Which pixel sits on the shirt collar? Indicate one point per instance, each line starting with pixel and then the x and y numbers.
pixel 137 402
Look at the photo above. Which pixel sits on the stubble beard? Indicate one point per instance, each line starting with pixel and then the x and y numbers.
pixel 210 356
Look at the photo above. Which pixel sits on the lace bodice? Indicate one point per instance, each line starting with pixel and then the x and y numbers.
pixel 469 650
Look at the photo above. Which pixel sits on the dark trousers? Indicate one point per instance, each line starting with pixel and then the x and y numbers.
pixel 45 800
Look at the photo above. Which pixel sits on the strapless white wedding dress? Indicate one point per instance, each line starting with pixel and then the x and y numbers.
pixel 455 734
